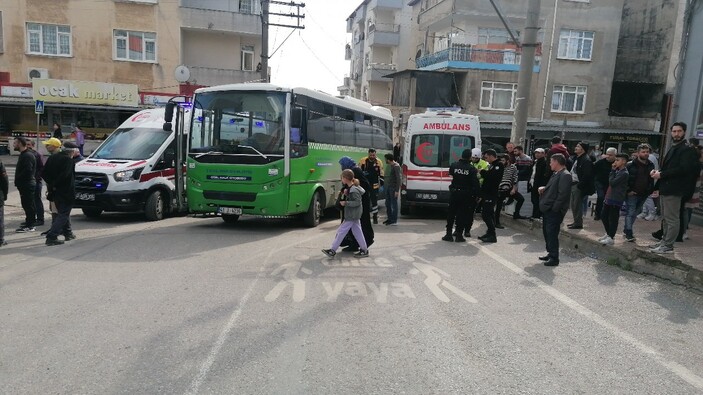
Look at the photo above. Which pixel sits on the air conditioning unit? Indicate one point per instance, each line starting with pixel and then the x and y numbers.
pixel 34 72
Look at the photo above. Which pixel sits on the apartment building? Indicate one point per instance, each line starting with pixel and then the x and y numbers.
pixel 94 63
pixel 383 41
pixel 574 71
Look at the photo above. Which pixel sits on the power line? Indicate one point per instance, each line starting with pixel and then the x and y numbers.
pixel 336 77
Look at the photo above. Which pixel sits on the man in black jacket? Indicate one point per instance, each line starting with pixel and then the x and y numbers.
pixel 582 183
pixel 38 198
pixel 4 189
pixel 639 186
pixel 59 175
pixel 554 203
pixel 26 183
pixel 492 177
pixel 673 183
pixel 601 173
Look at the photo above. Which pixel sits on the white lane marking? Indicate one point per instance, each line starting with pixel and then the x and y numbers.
pixel 674 367
pixel 207 364
pixel 437 277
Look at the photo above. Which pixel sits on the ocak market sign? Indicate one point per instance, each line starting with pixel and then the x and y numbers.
pixel 83 92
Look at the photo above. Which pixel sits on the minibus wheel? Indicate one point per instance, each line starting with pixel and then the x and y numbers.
pixel 92 212
pixel 312 217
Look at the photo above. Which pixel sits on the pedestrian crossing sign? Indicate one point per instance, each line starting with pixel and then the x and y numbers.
pixel 39 107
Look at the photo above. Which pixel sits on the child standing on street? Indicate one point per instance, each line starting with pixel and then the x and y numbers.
pixel 614 198
pixel 351 202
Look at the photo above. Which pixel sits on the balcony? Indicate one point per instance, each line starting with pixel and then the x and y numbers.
pixel 210 76
pixel 385 4
pixel 221 16
pixel 379 71
pixel 474 58
pixel 384 35
pixel 439 14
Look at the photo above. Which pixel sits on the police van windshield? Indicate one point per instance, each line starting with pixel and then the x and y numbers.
pixel 438 150
pixel 131 144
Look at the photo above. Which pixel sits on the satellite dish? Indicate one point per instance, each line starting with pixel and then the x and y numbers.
pixel 182 74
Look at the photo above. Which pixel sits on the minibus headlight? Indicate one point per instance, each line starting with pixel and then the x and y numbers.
pixel 127 175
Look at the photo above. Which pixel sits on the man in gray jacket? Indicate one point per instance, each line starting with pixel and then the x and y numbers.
pixel 554 203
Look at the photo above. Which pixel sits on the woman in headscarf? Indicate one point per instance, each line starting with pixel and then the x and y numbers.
pixel 366 226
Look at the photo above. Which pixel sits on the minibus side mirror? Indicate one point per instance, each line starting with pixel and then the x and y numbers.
pixel 168 116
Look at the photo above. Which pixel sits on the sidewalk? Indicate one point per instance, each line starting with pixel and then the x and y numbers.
pixel 684 266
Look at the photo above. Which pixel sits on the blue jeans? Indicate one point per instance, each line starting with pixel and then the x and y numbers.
pixel 634 207
pixel 391 205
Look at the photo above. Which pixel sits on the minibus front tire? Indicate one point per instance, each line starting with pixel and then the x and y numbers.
pixel 92 212
pixel 312 217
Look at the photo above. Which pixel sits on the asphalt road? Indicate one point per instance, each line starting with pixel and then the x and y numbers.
pixel 192 305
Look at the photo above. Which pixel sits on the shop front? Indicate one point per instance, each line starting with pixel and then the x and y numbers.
pixel 97 107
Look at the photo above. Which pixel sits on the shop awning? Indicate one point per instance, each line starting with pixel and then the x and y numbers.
pixel 26 101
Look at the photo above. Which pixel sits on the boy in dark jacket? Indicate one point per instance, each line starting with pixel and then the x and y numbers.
pixel 614 198
pixel 639 186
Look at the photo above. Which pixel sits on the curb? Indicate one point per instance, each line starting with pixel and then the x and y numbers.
pixel 636 260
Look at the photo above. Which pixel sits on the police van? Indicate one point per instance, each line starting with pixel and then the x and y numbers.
pixel 432 141
pixel 133 170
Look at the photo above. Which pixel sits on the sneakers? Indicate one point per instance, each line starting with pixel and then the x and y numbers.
pixel 362 254
pixel 3 243
pixel 662 249
pixel 685 236
pixel 605 236
pixel 69 236
pixel 642 215
pixel 655 246
pixel 630 238
pixel 448 238
pixel 25 229
pixel 459 239
pixel 608 241
pixel 650 217
pixel 329 253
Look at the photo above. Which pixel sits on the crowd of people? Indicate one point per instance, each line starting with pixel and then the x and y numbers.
pixel 31 172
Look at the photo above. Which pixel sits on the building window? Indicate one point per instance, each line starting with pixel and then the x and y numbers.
pixel 135 46
pixel 569 99
pixel 248 57
pixel 43 39
pixel 498 96
pixel 575 45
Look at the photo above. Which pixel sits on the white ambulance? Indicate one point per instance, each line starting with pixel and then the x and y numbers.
pixel 432 141
pixel 132 170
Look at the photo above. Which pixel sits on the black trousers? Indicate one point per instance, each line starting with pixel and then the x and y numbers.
pixel 373 194
pixel 519 199
pixel 61 224
pixel 28 203
pixel 488 215
pixel 38 202
pixel 458 211
pixel 470 214
pixel 551 224
pixel 534 197
pixel 610 217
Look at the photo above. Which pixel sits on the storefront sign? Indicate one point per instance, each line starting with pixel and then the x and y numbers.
pixel 15 91
pixel 82 92
pixel 156 100
pixel 633 138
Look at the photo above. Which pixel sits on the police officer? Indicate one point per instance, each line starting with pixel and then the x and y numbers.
pixel 373 170
pixel 489 193
pixel 462 191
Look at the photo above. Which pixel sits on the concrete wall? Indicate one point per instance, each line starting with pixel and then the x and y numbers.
pixel 92 40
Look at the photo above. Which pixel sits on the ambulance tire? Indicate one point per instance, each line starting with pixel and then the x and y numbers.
pixel 92 212
pixel 154 208
pixel 312 217
pixel 230 218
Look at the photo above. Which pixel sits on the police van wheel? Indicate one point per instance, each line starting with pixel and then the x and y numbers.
pixel 230 218
pixel 312 217
pixel 92 212
pixel 154 209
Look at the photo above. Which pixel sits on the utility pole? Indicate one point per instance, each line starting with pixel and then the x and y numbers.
pixel 527 63
pixel 265 13
pixel 264 41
